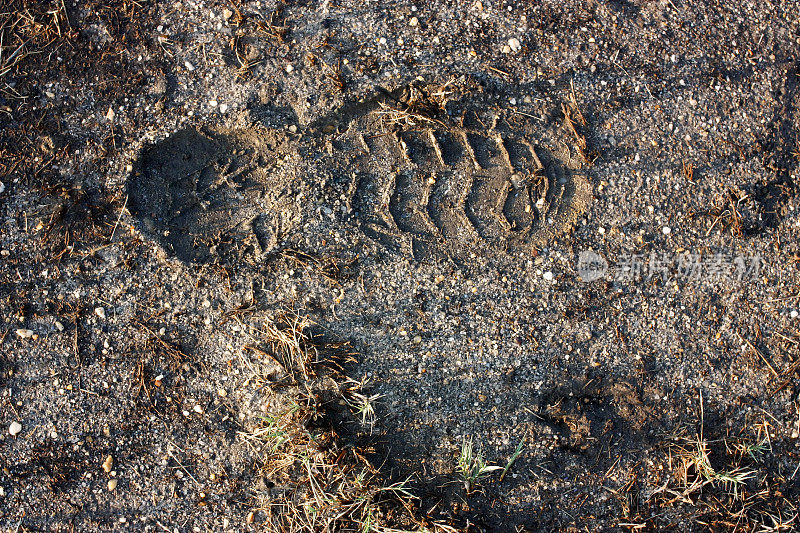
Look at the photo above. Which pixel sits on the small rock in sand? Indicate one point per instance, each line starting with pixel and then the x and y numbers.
pixel 14 429
pixel 25 333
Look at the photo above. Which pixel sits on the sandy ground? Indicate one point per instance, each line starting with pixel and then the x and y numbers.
pixel 559 236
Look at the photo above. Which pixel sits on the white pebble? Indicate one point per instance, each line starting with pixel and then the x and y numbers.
pixel 793 313
pixel 289 68
pixel 188 66
pixel 100 312
pixel 666 230
pixel 15 428
pixel 413 22
pixel 112 484
pixel 59 326
pixel 25 333
pixel 198 409
pixel 548 276
pixel 223 108
pixel 514 44
pixel 2 187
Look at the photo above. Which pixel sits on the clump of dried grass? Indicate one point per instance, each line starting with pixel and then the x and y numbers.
pixel 316 483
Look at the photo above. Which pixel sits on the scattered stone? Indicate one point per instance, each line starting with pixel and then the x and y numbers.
pixel 15 428
pixel 100 312
pixel 2 187
pixel 198 409
pixel 112 484
pixel 188 66
pixel 514 44
pixel 289 69
pixel 666 230
pixel 59 326
pixel 413 22
pixel 222 393
pixel 108 464
pixel 548 276
pixel 25 333
pixel 223 108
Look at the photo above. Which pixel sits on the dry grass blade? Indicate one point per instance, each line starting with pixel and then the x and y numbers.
pixel 24 32
pixel 405 118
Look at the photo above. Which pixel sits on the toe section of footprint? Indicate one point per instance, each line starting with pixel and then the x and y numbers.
pixel 437 182
pixel 212 196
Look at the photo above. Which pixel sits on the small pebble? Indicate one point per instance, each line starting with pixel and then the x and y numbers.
pixel 514 44
pixel 59 326
pixel 198 409
pixel 222 393
pixel 2 187
pixel 15 428
pixel 100 312
pixel 223 108
pixel 548 276
pixel 413 22
pixel 188 66
pixel 666 230
pixel 112 484
pixel 289 69
pixel 25 333
pixel 108 464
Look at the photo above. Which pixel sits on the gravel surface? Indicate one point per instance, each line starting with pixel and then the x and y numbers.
pixel 563 229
